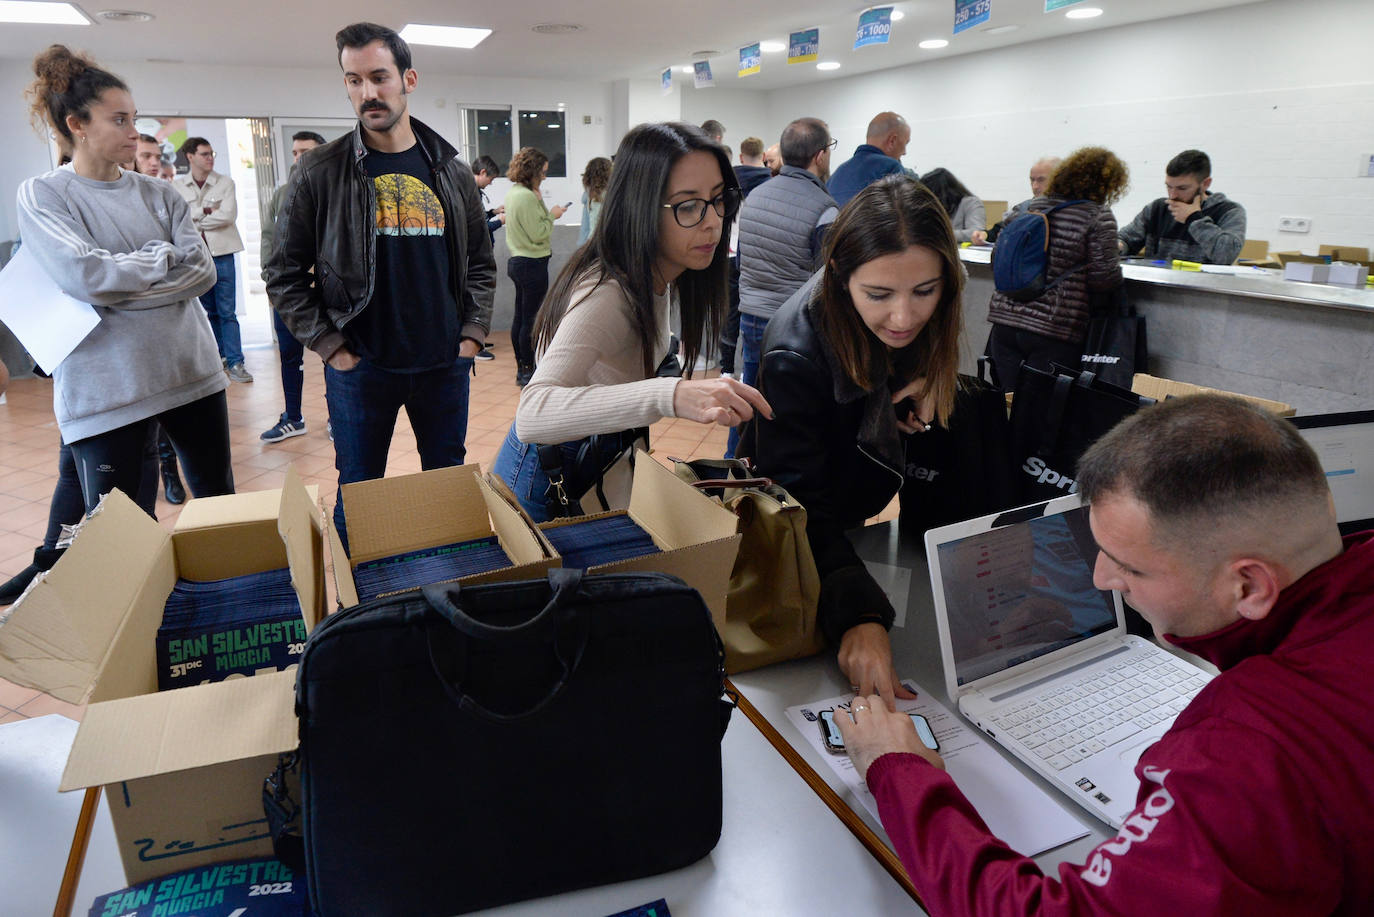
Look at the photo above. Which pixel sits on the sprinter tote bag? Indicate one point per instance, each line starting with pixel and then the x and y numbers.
pixel 1055 417
pixel 469 747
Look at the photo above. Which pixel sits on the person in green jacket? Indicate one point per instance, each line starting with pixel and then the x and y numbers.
pixel 529 227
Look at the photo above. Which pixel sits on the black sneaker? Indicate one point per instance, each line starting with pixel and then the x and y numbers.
pixel 285 429
pixel 485 354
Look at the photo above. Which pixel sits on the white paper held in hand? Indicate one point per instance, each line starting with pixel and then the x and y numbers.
pixel 49 323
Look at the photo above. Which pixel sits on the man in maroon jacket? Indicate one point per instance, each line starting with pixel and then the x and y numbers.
pixel 1214 520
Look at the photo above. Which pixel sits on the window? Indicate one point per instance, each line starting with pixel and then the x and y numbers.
pixel 487 132
pixel 544 131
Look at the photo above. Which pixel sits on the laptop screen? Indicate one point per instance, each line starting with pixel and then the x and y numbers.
pixel 1345 444
pixel 1020 591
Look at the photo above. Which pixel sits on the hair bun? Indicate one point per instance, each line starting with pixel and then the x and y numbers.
pixel 58 66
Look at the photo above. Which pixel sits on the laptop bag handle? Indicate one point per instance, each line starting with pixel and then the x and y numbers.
pixel 565 583
pixel 443 599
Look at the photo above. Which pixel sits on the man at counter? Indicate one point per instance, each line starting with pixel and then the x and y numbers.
pixel 1189 224
pixel 1040 173
pixel 880 154
pixel 1256 801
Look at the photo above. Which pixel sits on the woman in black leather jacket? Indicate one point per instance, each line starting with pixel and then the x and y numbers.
pixel 865 351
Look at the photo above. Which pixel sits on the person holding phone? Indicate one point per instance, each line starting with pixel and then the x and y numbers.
pixel 128 245
pixel 604 329
pixel 878 324
pixel 529 229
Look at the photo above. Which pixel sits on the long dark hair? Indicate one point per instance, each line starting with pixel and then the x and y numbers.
pixel 886 218
pixel 948 190
pixel 624 245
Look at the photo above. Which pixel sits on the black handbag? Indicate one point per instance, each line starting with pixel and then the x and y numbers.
pixel 467 748
pixel 1116 347
pixel 963 470
pixel 1055 417
pixel 593 474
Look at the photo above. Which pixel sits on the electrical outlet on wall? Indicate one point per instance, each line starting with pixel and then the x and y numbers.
pixel 1295 224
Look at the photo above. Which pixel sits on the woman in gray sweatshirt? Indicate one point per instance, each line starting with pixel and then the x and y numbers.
pixel 124 243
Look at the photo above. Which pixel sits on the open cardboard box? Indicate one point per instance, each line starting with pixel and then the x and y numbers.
pixel 1160 389
pixel 697 537
pixel 444 506
pixel 182 769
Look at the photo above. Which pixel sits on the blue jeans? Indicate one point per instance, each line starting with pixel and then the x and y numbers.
pixel 292 372
pixel 751 329
pixel 219 304
pixel 363 405
pixel 518 465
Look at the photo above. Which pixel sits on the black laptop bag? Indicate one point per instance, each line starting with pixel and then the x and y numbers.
pixel 465 748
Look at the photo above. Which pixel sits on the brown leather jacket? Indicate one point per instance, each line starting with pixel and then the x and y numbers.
pixel 1080 234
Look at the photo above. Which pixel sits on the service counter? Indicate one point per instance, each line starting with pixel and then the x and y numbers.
pixel 1308 345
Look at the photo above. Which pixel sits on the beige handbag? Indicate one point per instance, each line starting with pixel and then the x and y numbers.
pixel 770 608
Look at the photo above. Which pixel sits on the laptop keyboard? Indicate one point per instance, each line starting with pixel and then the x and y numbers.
pixel 1075 720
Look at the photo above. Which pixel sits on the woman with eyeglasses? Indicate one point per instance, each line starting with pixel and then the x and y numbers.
pixel 865 351
pixel 604 327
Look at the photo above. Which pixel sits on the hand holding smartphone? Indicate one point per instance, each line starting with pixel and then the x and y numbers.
pixel 834 742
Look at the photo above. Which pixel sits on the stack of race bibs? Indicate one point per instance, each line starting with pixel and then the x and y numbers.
pixel 235 626
pixel 413 569
pixel 600 540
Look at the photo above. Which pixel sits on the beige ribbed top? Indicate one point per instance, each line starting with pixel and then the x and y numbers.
pixel 591 379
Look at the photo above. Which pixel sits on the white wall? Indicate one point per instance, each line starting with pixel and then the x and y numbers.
pixel 743 112
pixel 23 152
pixel 1279 94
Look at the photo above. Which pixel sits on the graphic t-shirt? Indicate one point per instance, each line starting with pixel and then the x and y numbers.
pixel 412 322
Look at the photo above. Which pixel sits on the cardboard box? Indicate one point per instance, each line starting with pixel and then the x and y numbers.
pixel 1160 389
pixel 1348 273
pixel 182 769
pixel 1306 271
pixel 444 506
pixel 697 537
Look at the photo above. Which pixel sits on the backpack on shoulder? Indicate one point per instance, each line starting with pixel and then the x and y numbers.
pixel 1021 258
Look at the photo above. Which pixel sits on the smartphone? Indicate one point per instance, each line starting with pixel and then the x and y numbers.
pixel 834 742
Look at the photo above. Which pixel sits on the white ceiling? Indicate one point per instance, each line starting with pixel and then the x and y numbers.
pixel 619 38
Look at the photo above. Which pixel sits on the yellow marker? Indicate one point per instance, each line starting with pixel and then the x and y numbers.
pixel 1186 265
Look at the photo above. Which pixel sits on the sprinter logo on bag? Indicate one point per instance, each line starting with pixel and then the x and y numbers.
pixel 1043 474
pixel 1106 358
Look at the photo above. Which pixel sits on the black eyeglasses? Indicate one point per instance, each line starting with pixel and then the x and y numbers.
pixel 692 211
pixel 829 146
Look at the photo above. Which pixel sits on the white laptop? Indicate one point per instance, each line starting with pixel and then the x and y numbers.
pixel 1345 444
pixel 1040 660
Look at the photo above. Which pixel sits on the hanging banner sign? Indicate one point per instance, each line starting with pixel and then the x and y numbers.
pixel 665 79
pixel 1052 5
pixel 875 26
pixel 701 74
pixel 969 13
pixel 750 60
pixel 804 46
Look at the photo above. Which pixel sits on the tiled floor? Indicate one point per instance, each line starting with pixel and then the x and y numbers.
pixel 29 440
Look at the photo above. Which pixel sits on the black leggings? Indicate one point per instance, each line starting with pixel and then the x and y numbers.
pixel 1012 346
pixel 531 279
pixel 199 432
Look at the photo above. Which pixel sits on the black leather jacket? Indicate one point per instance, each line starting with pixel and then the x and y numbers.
pixel 323 268
pixel 836 448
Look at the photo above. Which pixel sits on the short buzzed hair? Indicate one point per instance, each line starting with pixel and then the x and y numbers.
pixel 713 129
pixel 884 123
pixel 148 138
pixel 1204 459
pixel 318 139
pixel 802 140
pixel 751 147
pixel 1190 162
